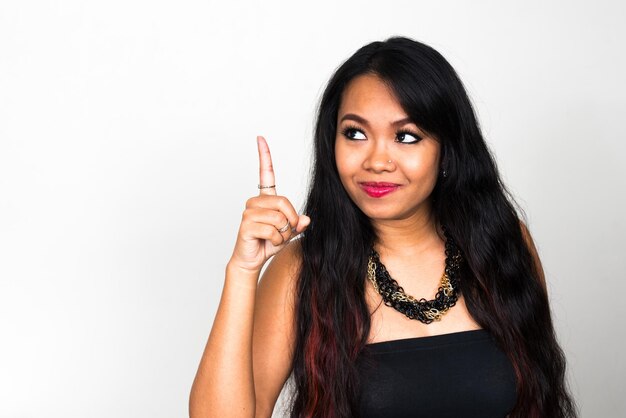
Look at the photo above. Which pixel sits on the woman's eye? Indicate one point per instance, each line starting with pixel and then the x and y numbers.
pixel 353 133
pixel 408 137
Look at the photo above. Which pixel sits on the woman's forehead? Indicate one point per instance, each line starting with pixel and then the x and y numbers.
pixel 369 97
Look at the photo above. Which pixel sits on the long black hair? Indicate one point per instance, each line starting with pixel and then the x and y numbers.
pixel 499 281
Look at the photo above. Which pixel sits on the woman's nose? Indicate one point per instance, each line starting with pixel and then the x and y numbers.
pixel 379 159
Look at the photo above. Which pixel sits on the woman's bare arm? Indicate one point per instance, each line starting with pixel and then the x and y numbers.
pixel 225 384
pixel 274 328
pixel 271 348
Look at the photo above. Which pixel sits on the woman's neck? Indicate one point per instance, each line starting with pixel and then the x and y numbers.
pixel 407 237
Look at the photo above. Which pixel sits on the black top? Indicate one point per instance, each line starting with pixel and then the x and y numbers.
pixel 458 375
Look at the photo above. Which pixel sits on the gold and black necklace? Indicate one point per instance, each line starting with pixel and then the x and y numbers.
pixel 423 310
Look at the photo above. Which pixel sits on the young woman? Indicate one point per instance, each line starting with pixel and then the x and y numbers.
pixel 414 289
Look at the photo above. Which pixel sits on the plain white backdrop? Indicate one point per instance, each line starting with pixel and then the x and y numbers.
pixel 127 151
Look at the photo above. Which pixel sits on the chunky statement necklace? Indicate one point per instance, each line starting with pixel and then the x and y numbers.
pixel 423 310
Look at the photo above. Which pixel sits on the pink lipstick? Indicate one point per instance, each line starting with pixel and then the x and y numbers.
pixel 376 189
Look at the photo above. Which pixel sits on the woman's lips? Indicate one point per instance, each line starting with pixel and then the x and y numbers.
pixel 374 189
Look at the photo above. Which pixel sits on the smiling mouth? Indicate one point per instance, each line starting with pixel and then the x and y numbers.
pixel 375 189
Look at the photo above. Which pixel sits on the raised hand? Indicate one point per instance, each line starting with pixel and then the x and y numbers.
pixel 269 221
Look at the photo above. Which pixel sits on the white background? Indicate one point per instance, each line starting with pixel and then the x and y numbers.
pixel 127 151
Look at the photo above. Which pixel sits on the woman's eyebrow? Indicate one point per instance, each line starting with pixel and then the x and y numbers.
pixel 361 120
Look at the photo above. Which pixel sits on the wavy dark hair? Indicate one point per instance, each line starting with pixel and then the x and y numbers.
pixel 500 281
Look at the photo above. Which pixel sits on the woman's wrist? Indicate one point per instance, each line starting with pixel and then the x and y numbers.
pixel 242 275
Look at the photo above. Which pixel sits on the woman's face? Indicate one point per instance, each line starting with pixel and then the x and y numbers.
pixel 372 130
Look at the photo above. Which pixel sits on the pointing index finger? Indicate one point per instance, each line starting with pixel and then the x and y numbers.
pixel 266 169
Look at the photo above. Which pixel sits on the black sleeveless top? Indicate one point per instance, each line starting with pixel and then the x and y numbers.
pixel 458 375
